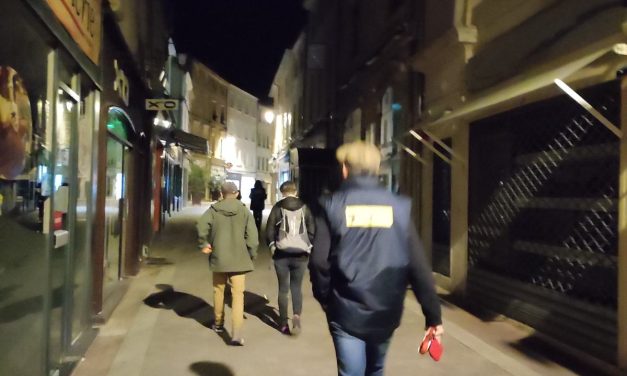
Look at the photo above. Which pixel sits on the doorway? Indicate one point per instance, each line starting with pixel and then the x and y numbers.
pixel 118 155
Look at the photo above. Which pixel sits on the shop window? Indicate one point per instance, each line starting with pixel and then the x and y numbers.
pixel 26 182
pixel 387 117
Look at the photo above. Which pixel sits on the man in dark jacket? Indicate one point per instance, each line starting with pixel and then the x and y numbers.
pixel 290 263
pixel 227 233
pixel 366 252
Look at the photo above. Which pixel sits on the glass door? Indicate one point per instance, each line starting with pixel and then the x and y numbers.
pixel 63 218
pixel 114 212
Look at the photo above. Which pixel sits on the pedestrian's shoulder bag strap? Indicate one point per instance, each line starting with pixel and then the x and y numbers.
pixel 283 219
pixel 302 220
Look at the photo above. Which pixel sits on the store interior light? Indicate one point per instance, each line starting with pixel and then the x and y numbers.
pixel 155 121
pixel 166 123
pixel 620 48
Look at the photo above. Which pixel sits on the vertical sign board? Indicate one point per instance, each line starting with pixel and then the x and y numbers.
pixel 82 20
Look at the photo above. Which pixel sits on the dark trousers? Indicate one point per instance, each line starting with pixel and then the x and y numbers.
pixel 290 272
pixel 258 214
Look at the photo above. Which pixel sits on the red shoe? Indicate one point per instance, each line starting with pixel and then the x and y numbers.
pixel 432 345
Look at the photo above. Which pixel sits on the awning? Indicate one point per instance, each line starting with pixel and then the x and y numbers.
pixel 185 140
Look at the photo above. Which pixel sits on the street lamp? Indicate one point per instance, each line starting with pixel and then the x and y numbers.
pixel 268 116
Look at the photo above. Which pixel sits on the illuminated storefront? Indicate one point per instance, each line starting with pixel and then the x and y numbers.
pixel 49 103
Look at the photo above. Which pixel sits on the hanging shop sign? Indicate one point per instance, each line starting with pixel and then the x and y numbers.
pixel 82 20
pixel 161 104
pixel 120 84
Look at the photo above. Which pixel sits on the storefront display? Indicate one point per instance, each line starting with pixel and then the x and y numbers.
pixel 47 114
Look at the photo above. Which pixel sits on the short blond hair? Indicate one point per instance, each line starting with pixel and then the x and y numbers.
pixel 361 158
pixel 289 187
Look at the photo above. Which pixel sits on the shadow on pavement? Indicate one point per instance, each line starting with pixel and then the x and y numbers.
pixel 258 306
pixel 193 307
pixel 211 369
pixel 539 350
pixel 183 304
pixel 534 346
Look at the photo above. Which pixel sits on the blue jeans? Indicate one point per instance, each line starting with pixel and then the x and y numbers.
pixel 358 357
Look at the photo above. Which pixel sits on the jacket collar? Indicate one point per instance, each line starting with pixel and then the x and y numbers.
pixel 362 181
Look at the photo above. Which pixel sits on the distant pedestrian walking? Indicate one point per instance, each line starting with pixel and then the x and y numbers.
pixel 290 231
pixel 227 233
pixel 366 252
pixel 258 202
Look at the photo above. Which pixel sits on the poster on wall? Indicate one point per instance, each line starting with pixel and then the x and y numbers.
pixel 16 124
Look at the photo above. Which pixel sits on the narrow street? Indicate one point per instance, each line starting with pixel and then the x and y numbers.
pixel 161 327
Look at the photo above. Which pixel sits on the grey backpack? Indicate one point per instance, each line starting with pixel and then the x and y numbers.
pixel 292 235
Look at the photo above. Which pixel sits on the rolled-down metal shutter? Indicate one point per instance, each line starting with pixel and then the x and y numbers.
pixel 543 222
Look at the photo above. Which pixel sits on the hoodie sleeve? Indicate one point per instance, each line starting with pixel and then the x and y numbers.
pixel 421 280
pixel 310 222
pixel 273 219
pixel 319 265
pixel 251 235
pixel 203 226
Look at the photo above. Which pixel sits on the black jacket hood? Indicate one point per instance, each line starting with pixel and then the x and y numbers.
pixel 291 203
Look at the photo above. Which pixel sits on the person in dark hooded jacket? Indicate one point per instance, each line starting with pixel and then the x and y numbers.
pixel 258 202
pixel 290 256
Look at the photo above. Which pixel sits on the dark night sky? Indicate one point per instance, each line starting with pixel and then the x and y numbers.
pixel 242 40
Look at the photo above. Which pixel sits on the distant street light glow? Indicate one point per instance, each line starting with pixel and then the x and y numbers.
pixel 620 48
pixel 268 116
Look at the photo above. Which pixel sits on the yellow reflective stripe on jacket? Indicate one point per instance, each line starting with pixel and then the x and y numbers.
pixel 369 216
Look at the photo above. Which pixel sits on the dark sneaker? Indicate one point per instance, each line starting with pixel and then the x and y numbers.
pixel 237 342
pixel 296 325
pixel 218 328
pixel 285 329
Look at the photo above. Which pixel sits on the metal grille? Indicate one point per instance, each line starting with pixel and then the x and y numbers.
pixel 543 196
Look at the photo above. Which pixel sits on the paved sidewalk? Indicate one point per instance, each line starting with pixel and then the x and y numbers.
pixel 170 335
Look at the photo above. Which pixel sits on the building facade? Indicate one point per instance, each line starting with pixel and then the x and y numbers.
pixel 287 95
pixel 517 219
pixel 174 144
pixel 49 102
pixel 476 122
pixel 240 147
pixel 265 140
pixel 75 142
pixel 208 119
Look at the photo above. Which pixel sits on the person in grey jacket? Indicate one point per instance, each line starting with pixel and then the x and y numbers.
pixel 227 233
